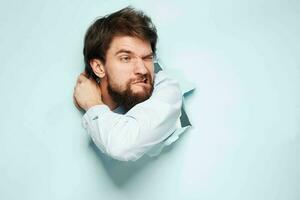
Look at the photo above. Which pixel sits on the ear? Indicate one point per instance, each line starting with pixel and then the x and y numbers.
pixel 98 67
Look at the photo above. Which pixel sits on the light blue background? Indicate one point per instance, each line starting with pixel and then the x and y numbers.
pixel 243 57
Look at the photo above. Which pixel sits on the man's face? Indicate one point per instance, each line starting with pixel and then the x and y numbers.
pixel 129 70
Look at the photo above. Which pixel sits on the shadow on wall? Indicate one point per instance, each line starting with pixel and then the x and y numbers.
pixel 121 172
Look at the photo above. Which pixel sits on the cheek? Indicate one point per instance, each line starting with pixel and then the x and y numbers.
pixel 120 81
pixel 151 70
pixel 118 74
pixel 123 76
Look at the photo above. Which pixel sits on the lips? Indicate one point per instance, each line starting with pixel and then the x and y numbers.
pixel 143 80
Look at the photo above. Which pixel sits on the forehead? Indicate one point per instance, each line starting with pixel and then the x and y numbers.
pixel 133 44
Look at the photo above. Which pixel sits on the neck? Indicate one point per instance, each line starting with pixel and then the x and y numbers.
pixel 106 98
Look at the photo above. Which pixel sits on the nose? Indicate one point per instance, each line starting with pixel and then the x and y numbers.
pixel 140 67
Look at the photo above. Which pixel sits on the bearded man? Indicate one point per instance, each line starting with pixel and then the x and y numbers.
pixel 129 108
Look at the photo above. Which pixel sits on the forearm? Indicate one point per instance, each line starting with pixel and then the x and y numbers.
pixel 126 137
pixel 129 136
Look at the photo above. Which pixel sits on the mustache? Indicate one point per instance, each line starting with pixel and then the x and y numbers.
pixel 142 78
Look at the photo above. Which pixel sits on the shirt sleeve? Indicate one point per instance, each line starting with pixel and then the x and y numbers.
pixel 129 136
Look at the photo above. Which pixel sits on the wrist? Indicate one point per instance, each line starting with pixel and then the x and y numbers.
pixel 91 104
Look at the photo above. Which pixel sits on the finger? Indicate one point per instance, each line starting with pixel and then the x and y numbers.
pixel 75 103
pixel 81 78
pixel 84 74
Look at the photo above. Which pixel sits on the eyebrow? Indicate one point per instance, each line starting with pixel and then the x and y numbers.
pixel 123 51
pixel 130 52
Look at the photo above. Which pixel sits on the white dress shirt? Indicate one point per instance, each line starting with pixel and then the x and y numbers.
pixel 128 136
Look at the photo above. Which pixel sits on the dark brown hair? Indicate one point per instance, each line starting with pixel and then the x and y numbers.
pixel 127 22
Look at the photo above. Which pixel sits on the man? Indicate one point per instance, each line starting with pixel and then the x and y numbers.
pixel 129 108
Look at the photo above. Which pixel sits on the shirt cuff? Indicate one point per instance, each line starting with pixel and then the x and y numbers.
pixel 93 113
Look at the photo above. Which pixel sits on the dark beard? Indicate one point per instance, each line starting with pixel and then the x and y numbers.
pixel 127 98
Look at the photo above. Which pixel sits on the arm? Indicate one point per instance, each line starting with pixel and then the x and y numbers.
pixel 129 136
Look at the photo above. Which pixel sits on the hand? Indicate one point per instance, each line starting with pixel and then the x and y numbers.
pixel 86 93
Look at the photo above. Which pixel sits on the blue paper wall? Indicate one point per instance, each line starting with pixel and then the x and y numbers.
pixel 242 57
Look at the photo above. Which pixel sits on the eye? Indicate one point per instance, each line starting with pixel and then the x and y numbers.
pixel 125 59
pixel 149 58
